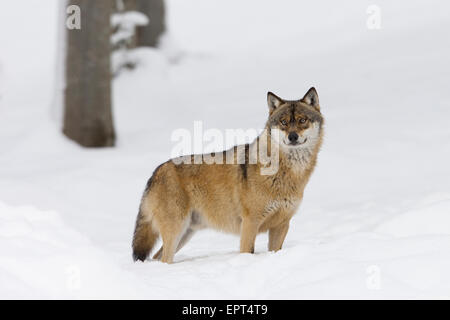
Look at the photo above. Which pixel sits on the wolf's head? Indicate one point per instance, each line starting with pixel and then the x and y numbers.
pixel 295 124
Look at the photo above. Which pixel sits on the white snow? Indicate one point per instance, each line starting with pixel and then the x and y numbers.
pixel 129 19
pixel 375 220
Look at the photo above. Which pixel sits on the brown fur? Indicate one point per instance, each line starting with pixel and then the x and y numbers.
pixel 235 198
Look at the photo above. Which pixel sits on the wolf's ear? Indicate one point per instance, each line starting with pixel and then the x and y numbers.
pixel 273 101
pixel 312 98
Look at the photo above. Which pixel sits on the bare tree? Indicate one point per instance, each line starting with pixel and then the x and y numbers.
pixel 148 36
pixel 88 111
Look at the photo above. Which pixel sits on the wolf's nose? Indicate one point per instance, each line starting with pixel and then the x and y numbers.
pixel 293 136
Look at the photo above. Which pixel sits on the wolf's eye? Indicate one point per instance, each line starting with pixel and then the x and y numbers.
pixel 283 122
pixel 303 120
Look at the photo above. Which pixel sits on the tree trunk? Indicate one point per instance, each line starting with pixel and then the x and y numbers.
pixel 149 35
pixel 88 116
pixel 129 5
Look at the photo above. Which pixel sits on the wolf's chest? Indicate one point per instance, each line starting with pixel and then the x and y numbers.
pixel 284 204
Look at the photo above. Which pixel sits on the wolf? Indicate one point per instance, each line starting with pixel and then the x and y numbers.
pixel 182 198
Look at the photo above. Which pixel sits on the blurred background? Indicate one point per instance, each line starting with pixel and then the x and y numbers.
pixel 91 92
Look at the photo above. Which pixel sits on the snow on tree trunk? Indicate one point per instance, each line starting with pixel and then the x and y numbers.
pixel 88 116
pixel 124 22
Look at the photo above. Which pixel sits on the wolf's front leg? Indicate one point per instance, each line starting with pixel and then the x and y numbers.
pixel 249 230
pixel 277 236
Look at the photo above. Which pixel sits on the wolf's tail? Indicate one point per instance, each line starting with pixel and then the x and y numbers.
pixel 145 236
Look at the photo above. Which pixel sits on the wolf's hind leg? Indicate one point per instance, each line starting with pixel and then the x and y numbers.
pixel 277 236
pixel 158 254
pixel 184 239
pixel 171 235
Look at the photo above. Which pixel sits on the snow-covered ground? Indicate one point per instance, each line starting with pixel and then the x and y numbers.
pixel 375 221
